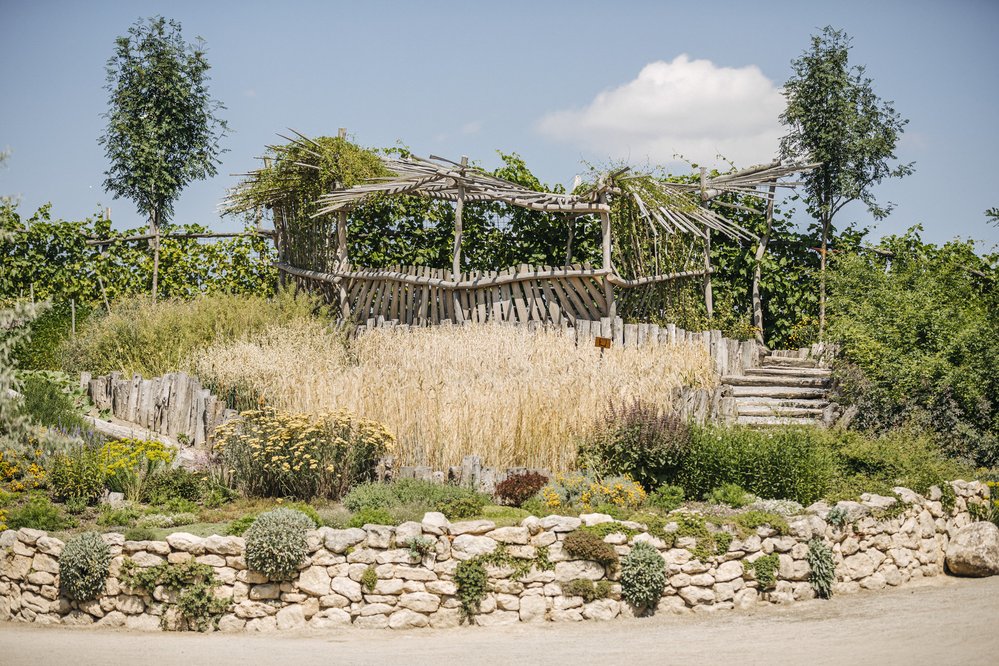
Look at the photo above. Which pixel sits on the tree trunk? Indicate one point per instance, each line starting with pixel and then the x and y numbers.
pixel 822 276
pixel 761 251
pixel 154 228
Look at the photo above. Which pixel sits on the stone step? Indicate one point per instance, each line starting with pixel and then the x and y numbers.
pixel 782 380
pixel 786 362
pixel 779 411
pixel 773 403
pixel 776 421
pixel 795 392
pixel 779 371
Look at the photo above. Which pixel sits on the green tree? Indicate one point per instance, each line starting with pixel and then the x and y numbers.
pixel 162 131
pixel 834 117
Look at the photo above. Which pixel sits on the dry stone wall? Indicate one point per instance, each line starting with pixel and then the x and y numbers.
pixel 870 551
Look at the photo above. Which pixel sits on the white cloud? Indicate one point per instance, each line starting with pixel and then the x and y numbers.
pixel 685 107
pixel 472 127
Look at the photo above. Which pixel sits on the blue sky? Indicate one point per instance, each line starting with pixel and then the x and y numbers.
pixel 558 82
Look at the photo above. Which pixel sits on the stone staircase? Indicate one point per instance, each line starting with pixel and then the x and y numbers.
pixel 786 390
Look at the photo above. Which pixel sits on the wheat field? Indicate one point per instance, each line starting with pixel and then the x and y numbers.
pixel 511 396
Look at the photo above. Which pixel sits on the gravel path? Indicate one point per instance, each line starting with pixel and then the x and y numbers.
pixel 946 621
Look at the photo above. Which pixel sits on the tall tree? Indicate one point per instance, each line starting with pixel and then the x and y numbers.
pixel 162 130
pixel 834 117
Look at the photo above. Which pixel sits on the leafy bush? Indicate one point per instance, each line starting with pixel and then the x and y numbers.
pixel 122 517
pixel 666 497
pixel 822 568
pixel 455 502
pixel 48 402
pixel 567 491
pixel 22 470
pixel 750 520
pixel 765 569
pixel 48 333
pixel 239 526
pixel 192 583
pixel 472 581
pixel 78 474
pixel 639 440
pixel 369 516
pixel 84 566
pixel 153 338
pixel 643 576
pixel 587 589
pixel 173 483
pixel 272 453
pixel 588 546
pixel 308 510
pixel 276 542
pixel 777 463
pixel 731 495
pixel 516 489
pixel 38 513
pixel 919 338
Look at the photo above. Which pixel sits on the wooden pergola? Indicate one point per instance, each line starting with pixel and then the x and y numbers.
pixel 419 295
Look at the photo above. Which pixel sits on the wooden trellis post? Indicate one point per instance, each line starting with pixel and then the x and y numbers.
pixel 761 250
pixel 456 261
pixel 605 242
pixel 341 246
pixel 708 296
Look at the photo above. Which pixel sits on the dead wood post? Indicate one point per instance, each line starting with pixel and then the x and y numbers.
pixel 605 228
pixel 341 245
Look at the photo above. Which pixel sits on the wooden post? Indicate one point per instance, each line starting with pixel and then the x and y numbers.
pixel 708 296
pixel 605 228
pixel 761 250
pixel 568 244
pixel 341 257
pixel 72 314
pixel 456 261
pixel 154 229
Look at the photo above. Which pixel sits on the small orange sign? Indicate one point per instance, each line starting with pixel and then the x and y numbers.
pixel 603 343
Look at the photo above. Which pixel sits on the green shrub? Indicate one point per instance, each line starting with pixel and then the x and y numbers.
pixel 919 338
pixel 455 502
pixel 83 566
pixel 666 498
pixel 273 453
pixel 47 402
pixel 765 569
pixel 172 484
pixel 643 577
pixel 419 547
pixel 137 533
pixel 276 542
pixel 750 520
pixel 369 516
pixel 473 583
pixel 369 579
pixel 587 589
pixel 518 488
pixel 239 526
pixel 638 440
pixel 837 516
pixel 153 338
pixel 776 463
pixel 731 495
pixel 78 474
pixel 49 331
pixel 308 510
pixel 38 513
pixel 192 583
pixel 588 546
pixel 822 569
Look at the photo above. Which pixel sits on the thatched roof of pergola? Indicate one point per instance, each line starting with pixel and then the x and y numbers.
pixel 439 178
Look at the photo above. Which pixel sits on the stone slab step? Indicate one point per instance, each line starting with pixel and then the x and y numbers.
pixel 786 362
pixel 776 421
pixel 779 371
pixel 781 380
pixel 772 403
pixel 767 410
pixel 796 392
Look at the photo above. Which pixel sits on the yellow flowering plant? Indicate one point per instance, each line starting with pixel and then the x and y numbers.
pixel 586 492
pixel 128 463
pixel 272 453
pixel 21 471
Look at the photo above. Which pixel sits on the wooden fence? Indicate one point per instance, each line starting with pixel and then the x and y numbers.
pixel 175 405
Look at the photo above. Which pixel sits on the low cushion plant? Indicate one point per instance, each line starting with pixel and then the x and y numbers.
pixel 276 542
pixel 83 566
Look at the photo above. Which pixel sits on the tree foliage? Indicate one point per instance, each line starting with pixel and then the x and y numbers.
pixel 919 336
pixel 834 117
pixel 162 132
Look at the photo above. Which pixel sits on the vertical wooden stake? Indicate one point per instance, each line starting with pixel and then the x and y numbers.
pixel 708 296
pixel 605 242
pixel 456 260
pixel 72 315
pixel 341 257
pixel 568 243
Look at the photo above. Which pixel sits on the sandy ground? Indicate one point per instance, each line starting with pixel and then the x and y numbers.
pixel 946 621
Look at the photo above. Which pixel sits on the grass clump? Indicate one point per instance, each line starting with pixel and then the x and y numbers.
pixel 455 502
